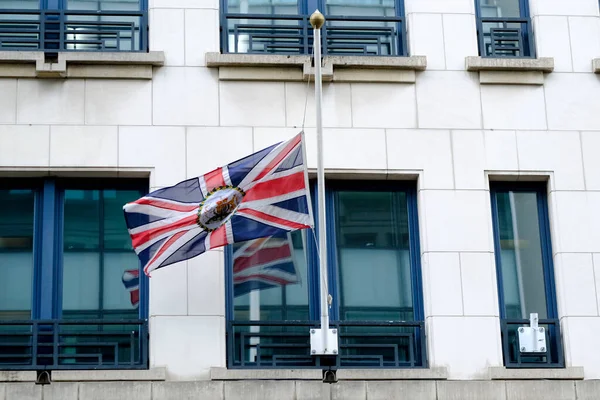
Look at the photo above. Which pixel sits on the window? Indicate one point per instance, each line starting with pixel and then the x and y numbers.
pixel 504 28
pixel 73 25
pixel 70 278
pixel 352 27
pixel 525 271
pixel 374 279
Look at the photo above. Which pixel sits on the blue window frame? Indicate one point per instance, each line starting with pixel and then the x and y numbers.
pixel 366 27
pixel 525 271
pixel 374 278
pixel 78 299
pixel 504 28
pixel 74 25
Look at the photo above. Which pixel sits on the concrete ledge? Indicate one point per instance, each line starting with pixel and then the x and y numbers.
pixel 254 60
pixel 289 390
pixel 273 67
pixel 224 374
pixel 511 77
pixel 569 373
pixel 155 58
pixel 544 64
pixel 587 390
pixel 415 63
pixel 154 374
pixel 98 65
pixel 17 376
pixel 438 373
pixel 596 65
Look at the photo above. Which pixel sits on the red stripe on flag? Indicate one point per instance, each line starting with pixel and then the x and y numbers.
pixel 283 154
pixel 138 239
pixel 165 247
pixel 271 218
pixel 165 205
pixel 276 187
pixel 218 237
pixel 242 279
pixel 135 297
pixel 214 179
pixel 262 256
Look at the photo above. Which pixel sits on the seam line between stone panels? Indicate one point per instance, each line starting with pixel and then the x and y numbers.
pixel 462 291
pixel 417 122
pixel 444 42
pixel 351 105
pixel 285 106
pixel 451 137
pixel 387 163
pixel 17 101
pixel 595 284
pixel 85 83
pixel 580 135
pixel 545 110
pixel 184 12
pixel 570 43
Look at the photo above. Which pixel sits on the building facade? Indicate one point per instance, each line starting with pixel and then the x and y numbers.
pixel 462 196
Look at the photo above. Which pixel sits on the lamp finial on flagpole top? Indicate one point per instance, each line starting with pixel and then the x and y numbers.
pixel 317 19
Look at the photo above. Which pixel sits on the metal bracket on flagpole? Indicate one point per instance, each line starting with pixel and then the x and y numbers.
pixel 319 338
pixel 323 341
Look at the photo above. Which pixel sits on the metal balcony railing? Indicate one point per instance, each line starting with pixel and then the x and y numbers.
pixel 71 30
pixel 362 344
pixel 505 37
pixel 292 34
pixel 73 344
pixel 514 358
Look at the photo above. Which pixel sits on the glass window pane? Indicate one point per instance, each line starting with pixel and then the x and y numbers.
pixel 270 283
pixel 16 253
pixel 106 5
pixel 275 7
pixel 81 281
pixel 270 278
pixel 500 8
pixel 98 260
pixel 82 220
pixel 373 255
pixel 377 38
pixel 116 236
pixel 20 4
pixel 521 254
pixel 117 296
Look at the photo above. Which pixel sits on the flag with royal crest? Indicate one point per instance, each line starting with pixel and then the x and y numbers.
pixel 263 194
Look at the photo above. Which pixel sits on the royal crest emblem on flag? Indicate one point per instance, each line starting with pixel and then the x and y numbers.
pixel 263 194
pixel 131 281
pixel 264 263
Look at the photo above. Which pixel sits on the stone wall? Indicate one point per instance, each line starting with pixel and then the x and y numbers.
pixel 306 390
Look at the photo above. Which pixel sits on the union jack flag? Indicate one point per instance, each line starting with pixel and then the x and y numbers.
pixel 260 195
pixel 263 263
pixel 131 281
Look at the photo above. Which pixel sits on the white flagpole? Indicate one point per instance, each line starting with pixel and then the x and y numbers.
pixel 323 341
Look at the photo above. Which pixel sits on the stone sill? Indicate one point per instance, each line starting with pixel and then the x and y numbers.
pixel 569 373
pixel 273 67
pixel 154 374
pixel 83 65
pixel 510 71
pixel 224 374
